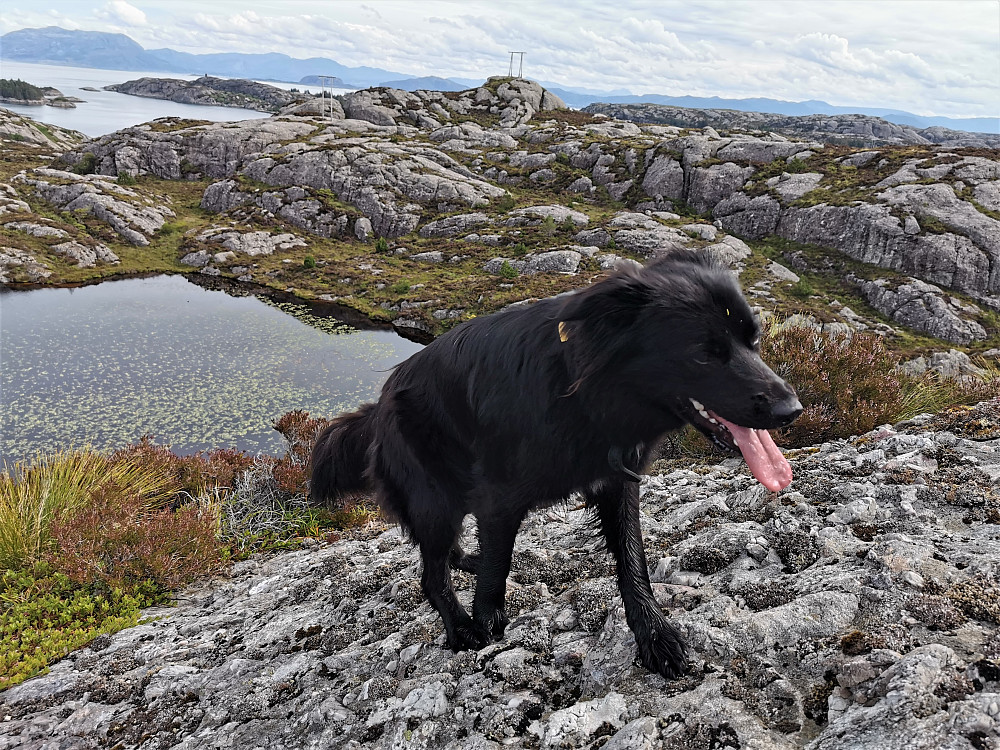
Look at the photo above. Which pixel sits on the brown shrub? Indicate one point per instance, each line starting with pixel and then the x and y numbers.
pixel 192 474
pixel 847 384
pixel 300 430
pixel 118 540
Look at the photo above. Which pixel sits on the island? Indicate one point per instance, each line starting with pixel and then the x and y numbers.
pixel 209 90
pixel 16 91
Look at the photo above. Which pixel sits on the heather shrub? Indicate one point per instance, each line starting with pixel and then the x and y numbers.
pixel 118 540
pixel 190 475
pixel 847 384
pixel 300 432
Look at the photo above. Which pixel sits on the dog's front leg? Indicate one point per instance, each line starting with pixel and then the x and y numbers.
pixel 660 646
pixel 496 547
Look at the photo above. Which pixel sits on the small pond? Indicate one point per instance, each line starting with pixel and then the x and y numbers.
pixel 195 368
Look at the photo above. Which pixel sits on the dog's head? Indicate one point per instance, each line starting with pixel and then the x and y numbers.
pixel 679 337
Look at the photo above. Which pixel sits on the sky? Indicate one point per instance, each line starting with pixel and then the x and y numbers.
pixel 930 57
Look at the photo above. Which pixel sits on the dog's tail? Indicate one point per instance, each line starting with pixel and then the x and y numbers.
pixel 339 458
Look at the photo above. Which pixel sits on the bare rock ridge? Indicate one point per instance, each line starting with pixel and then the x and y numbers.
pixel 390 164
pixel 857 609
pixel 852 130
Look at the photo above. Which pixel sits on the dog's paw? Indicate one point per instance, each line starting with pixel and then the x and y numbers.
pixel 468 635
pixel 494 623
pixel 661 649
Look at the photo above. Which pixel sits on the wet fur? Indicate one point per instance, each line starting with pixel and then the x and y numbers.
pixel 501 416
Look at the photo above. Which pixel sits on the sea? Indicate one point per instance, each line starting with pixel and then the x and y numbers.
pixel 104 112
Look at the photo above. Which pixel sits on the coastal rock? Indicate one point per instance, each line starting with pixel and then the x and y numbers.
pixel 20 129
pixel 208 90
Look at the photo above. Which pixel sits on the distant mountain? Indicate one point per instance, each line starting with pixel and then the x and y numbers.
pixel 429 83
pixel 272 66
pixel 87 49
pixel 781 107
pixel 95 49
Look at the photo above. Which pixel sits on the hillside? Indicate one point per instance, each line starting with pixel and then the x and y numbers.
pixel 856 609
pixel 846 129
pixel 452 187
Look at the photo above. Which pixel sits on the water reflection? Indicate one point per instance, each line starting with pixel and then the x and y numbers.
pixel 196 368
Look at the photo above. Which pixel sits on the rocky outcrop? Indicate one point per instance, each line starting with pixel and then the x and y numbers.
pixel 925 308
pixel 554 261
pixel 853 130
pixel 385 182
pixel 856 609
pixel 20 129
pixel 218 92
pixel 133 215
pixel 11 259
pixel 251 244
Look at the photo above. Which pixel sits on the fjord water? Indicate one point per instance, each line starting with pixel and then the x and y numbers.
pixel 106 364
pixel 106 111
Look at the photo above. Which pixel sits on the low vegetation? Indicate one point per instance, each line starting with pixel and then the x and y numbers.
pixel 850 384
pixel 88 540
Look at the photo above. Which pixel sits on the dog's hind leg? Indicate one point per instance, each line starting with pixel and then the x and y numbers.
pixel 660 646
pixel 496 547
pixel 437 535
pixel 459 560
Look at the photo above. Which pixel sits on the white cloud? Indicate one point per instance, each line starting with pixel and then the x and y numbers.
pixel 930 57
pixel 123 12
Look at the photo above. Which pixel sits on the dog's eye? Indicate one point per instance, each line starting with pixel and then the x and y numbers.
pixel 717 351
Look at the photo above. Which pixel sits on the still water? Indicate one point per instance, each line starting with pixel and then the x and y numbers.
pixel 197 369
pixel 106 111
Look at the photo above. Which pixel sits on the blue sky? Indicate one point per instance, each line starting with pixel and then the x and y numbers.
pixel 933 57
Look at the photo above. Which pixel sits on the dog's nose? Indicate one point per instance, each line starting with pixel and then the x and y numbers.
pixel 787 411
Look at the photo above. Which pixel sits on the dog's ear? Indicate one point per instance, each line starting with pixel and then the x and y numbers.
pixel 616 302
pixel 592 324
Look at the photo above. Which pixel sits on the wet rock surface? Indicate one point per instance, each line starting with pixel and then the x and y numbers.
pixel 856 609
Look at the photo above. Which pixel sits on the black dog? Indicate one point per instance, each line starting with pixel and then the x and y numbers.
pixel 520 409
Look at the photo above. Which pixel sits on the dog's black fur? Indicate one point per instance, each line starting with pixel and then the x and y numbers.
pixel 520 409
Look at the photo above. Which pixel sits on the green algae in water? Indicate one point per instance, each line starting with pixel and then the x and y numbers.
pixel 104 365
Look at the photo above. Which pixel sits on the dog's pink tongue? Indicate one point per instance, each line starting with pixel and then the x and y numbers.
pixel 763 457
